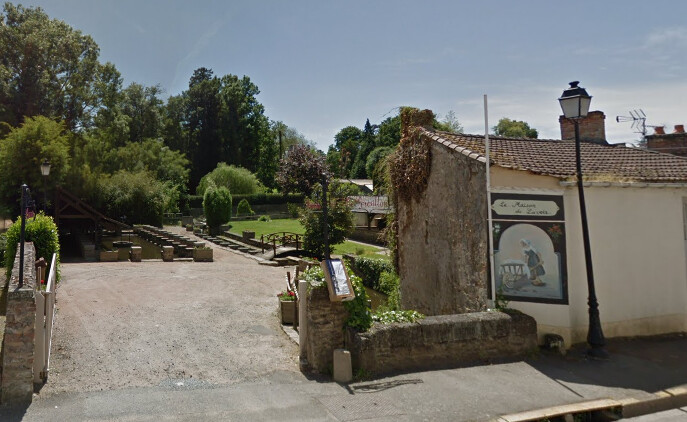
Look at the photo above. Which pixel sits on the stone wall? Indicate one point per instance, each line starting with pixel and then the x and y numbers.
pixel 443 341
pixel 19 339
pixel 325 321
pixel 592 128
pixel 442 238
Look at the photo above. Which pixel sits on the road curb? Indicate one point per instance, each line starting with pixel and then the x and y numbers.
pixel 671 398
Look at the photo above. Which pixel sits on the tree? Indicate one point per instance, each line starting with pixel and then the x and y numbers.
pixel 46 68
pixel 449 123
pixel 347 142
pixel 217 207
pixel 367 144
pixel 376 166
pixel 389 133
pixel 514 129
pixel 203 106
pixel 22 152
pixel 339 222
pixel 300 170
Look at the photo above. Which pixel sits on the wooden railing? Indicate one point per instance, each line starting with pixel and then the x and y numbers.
pixel 45 313
pixel 281 239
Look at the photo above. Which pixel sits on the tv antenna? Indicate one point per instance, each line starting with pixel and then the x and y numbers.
pixel 638 119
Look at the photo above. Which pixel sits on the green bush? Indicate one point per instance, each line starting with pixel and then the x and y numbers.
pixel 244 208
pixel 42 231
pixel 294 209
pixel 237 179
pixel 196 201
pixel 390 286
pixel 217 206
pixel 265 218
pixel 359 314
pixel 370 271
pixel 138 196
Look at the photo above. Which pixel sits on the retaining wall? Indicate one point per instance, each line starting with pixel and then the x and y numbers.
pixel 19 340
pixel 443 341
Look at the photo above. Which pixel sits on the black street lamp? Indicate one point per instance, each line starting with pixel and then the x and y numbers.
pixel 575 104
pixel 45 171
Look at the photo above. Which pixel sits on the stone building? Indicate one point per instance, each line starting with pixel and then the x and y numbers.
pixel 637 212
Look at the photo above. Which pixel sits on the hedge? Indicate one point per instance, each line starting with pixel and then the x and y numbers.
pixel 196 201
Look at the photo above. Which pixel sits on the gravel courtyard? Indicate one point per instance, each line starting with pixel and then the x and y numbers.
pixel 144 324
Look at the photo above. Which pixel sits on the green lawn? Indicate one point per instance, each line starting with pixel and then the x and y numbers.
pixel 294 226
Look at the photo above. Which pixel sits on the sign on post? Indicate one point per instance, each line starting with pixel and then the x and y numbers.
pixel 338 282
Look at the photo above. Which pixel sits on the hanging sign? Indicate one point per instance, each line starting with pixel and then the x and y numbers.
pixel 338 282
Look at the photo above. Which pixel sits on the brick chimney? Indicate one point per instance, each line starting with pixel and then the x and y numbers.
pixel 592 128
pixel 670 143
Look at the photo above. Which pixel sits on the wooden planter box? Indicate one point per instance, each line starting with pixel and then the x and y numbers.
pixel 202 255
pixel 288 311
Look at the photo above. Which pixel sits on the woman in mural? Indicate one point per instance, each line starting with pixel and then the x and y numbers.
pixel 534 262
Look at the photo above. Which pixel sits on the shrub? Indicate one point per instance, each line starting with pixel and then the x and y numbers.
pixel 138 196
pixel 390 286
pixel 294 209
pixel 370 270
pixel 265 218
pixel 237 179
pixel 388 317
pixel 244 208
pixel 359 315
pixel 42 231
pixel 217 206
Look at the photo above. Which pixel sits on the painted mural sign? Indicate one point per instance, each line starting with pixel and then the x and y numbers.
pixel 371 204
pixel 529 247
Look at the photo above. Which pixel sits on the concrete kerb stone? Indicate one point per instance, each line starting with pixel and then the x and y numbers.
pixel 671 398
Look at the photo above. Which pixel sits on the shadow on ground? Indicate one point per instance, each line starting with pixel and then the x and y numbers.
pixel 650 364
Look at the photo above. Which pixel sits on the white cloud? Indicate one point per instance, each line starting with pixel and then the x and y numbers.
pixel 667 37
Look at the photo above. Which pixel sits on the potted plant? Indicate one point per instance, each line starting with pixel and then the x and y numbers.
pixel 287 306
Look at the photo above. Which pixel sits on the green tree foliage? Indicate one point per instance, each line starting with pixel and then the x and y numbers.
pixel 217 206
pixel 300 170
pixel 359 315
pixel 22 152
pixel 347 142
pixel 514 129
pixel 238 180
pixel 376 166
pixel 42 231
pixel 339 223
pixel 350 156
pixel 46 68
pixel 367 144
pixel 389 133
pixel 449 123
pixel 139 197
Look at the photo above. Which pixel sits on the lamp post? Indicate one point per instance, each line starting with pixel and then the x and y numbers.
pixel 575 105
pixel 45 171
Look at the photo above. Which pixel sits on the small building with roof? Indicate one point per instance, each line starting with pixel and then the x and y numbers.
pixel 636 208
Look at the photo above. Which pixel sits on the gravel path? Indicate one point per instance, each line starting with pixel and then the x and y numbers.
pixel 156 323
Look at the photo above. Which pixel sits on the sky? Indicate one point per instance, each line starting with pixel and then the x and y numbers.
pixel 323 65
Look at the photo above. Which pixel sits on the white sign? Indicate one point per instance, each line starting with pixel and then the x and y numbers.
pixel 371 204
pixel 525 207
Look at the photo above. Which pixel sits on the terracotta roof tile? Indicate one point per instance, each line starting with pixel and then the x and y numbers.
pixel 557 158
